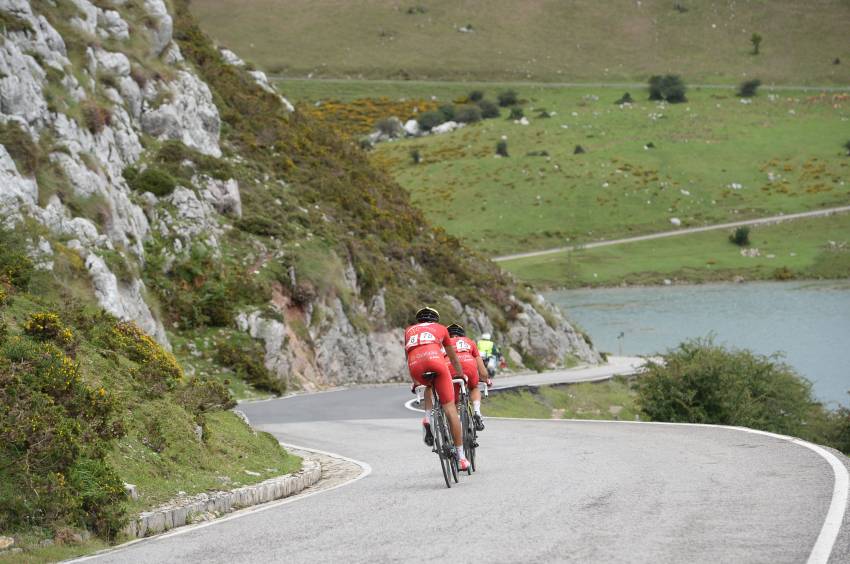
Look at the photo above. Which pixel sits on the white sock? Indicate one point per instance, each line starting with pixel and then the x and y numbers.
pixel 460 453
pixel 426 420
pixel 476 407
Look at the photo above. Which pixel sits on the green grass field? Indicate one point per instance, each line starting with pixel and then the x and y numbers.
pixel 799 249
pixel 543 40
pixel 703 150
pixel 611 399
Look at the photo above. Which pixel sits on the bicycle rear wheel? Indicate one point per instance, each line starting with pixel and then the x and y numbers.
pixel 467 429
pixel 440 443
pixel 473 438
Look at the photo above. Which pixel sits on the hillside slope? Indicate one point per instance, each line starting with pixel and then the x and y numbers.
pixel 192 200
pixel 542 40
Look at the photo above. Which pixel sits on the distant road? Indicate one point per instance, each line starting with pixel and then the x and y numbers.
pixel 783 87
pixel 676 233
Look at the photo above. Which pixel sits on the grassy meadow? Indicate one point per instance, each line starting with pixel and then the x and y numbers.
pixel 713 159
pixel 805 248
pixel 541 40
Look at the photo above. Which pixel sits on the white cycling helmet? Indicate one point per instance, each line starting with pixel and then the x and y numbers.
pixel 485 336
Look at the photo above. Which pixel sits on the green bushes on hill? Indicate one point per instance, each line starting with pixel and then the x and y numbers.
pixel 701 382
pixel 669 88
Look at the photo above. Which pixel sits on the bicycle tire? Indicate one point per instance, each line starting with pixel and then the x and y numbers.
pixel 473 439
pixel 439 444
pixel 466 429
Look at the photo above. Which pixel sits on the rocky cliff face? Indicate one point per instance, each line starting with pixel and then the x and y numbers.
pixel 91 94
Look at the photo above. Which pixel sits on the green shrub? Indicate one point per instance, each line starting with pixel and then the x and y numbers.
pixel 200 395
pixel 755 40
pixel 448 111
pixel 16 268
pixel 430 120
pixel 488 109
pixel 475 96
pixel 467 113
pixel 507 98
pixel 847 147
pixel 516 113
pixel 748 88
pixel 625 99
pixel 246 360
pixel 47 327
pixel 669 88
pixel 156 371
pixel 502 148
pixel 700 382
pixel 741 236
pixel 152 179
pixel 415 156
pixel 54 434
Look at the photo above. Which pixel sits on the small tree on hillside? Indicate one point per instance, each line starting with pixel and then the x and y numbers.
pixel 755 39
pixel 748 88
pixel 432 119
pixel 507 98
pixel 670 88
pixel 476 96
pixel 741 236
pixel 415 156
pixel 488 109
pixel 502 148
pixel 847 146
pixel 516 113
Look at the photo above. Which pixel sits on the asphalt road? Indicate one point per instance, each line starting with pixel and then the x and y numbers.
pixel 546 491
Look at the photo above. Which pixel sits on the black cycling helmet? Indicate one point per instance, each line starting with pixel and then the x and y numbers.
pixel 427 314
pixel 456 330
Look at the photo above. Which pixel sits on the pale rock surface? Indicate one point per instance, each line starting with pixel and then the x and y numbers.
pixel 530 333
pixel 111 24
pixel 190 116
pixel 411 128
pixel 124 300
pixel 222 194
pixel 446 127
pixel 17 193
pixel 88 21
pixel 162 25
pixel 194 219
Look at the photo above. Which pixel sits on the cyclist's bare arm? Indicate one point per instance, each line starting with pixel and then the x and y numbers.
pixel 482 370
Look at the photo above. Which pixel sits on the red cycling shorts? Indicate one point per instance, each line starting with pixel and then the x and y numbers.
pixel 470 369
pixel 431 361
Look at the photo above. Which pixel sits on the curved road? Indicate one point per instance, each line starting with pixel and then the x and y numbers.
pixel 553 491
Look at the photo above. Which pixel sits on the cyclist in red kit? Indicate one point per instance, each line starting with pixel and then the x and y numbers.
pixel 426 345
pixel 473 369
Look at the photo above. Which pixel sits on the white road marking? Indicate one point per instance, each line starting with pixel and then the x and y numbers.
pixel 366 469
pixel 825 542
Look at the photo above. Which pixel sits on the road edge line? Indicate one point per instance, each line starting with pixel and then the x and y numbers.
pixel 831 528
pixel 365 470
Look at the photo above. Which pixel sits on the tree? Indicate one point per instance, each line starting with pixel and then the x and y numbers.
pixel 502 148
pixel 755 39
pixel 415 156
pixel 748 88
pixel 847 146
pixel 507 98
pixel 516 113
pixel 741 236
pixel 488 109
pixel 670 88
pixel 476 96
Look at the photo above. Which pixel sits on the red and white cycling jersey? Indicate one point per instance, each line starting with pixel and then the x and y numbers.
pixel 465 348
pixel 425 337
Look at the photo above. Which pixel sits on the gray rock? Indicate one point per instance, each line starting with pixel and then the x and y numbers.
pixel 161 26
pixel 194 219
pixel 222 194
pixel 446 127
pixel 190 116
pixel 111 24
pixel 88 21
pixel 124 300
pixel 131 490
pixel 17 194
pixel 411 128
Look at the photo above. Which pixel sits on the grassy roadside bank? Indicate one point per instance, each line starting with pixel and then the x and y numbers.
pixel 800 249
pixel 610 399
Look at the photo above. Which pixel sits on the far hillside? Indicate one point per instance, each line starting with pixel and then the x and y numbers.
pixel 538 40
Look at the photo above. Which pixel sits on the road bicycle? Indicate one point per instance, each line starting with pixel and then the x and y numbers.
pixel 467 423
pixel 443 444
